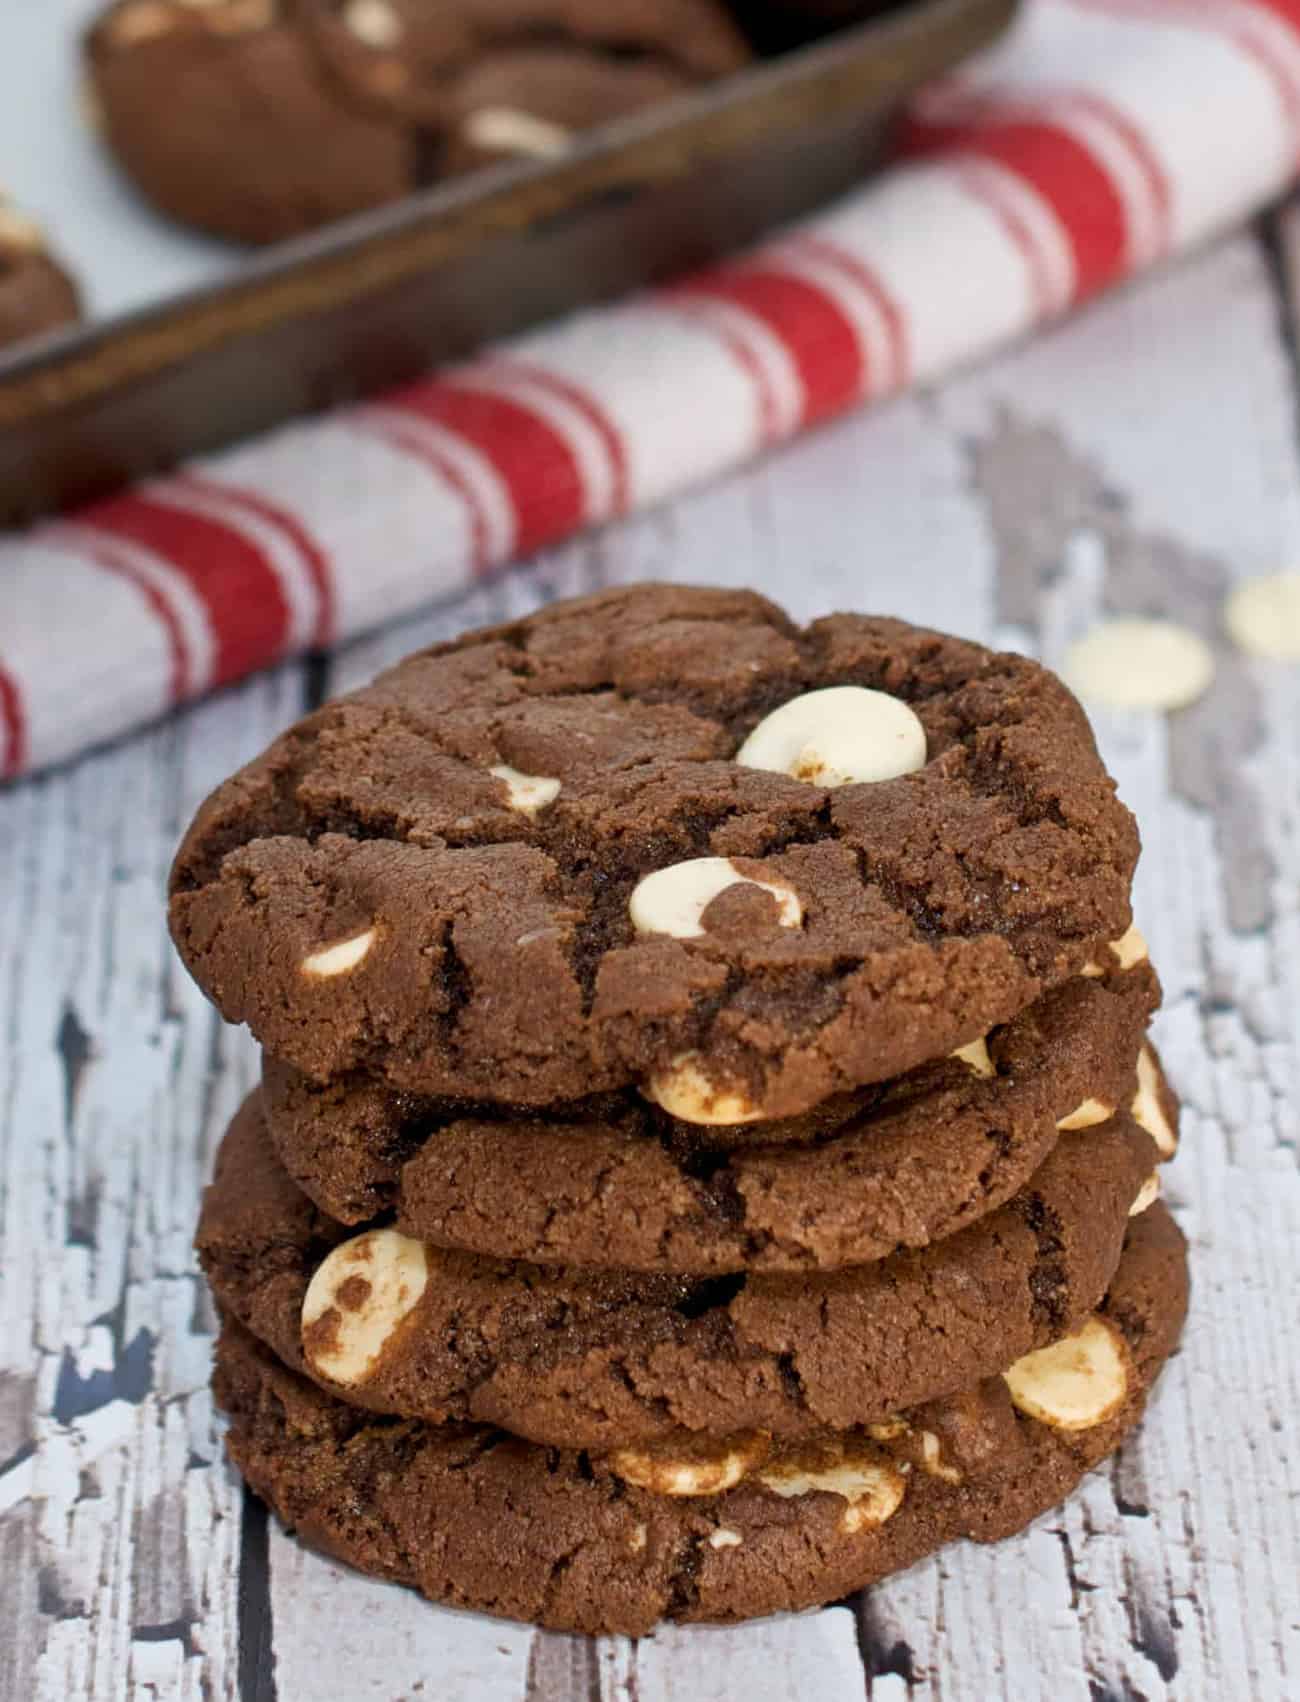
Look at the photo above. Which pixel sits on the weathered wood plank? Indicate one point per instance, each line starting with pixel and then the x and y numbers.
pixel 121 1526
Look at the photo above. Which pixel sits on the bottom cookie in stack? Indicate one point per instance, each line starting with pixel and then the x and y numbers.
pixel 701 1530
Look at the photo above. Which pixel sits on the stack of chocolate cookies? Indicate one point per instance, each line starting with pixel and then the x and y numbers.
pixel 706 1155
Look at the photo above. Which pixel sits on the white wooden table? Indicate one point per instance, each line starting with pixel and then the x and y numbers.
pixel 1141 458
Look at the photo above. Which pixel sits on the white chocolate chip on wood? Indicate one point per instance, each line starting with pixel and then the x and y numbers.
pixel 684 1091
pixel 872 1487
pixel 526 793
pixel 357 1299
pixel 1147 1110
pixel 1146 1196
pixel 673 900
pixel 341 958
pixel 1087 1115
pixel 723 1537
pixel 837 737
pixel 1075 1383
pixel 702 1466
pixel 1131 663
pixel 505 130
pixel 976 1054
pixel 376 23
pixel 1263 617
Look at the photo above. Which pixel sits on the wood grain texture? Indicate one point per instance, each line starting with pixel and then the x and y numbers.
pixel 1142 458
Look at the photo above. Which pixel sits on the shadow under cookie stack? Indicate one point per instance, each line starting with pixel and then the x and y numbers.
pixel 707 1150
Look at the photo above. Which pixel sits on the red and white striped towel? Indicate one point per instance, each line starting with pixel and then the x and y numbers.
pixel 1098 137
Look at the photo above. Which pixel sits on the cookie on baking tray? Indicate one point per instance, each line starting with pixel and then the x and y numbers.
pixel 615 1181
pixel 660 837
pixel 718 1529
pixel 36 293
pixel 259 119
pixel 595 1358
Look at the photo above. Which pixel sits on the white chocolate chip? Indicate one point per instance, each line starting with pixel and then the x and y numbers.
pixel 673 900
pixel 148 19
pixel 1087 1115
pixel 1146 1108
pixel 872 1487
pixel 1263 616
pixel 1132 663
pixel 234 17
pixel 838 736
pixel 725 1538
pixel 374 22
pixel 704 1466
pixel 976 1054
pixel 1076 1383
pixel 1131 948
pixel 684 1091
pixel 18 231
pixel 876 1503
pixel 143 21
pixel 534 934
pixel 888 1429
pixel 933 1463
pixel 637 1540
pixel 363 1291
pixel 1128 950
pixel 526 793
pixel 1146 1196
pixel 340 958
pixel 505 130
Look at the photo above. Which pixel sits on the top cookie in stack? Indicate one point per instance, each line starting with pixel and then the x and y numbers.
pixel 711 1053
pixel 628 843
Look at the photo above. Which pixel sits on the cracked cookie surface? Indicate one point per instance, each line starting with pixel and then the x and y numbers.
pixel 616 1182
pixel 502 961
pixel 600 1359
pixel 479 1520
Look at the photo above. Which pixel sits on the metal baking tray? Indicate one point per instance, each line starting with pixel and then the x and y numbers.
pixel 377 298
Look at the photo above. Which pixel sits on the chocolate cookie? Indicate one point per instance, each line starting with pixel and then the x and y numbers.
pixel 533 101
pixel 659 836
pixel 220 115
pixel 259 119
pixel 619 1183
pixel 479 1520
pixel 36 294
pixel 591 1358
pixel 414 59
